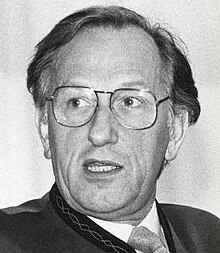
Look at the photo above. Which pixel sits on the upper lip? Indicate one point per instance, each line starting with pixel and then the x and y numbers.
pixel 95 162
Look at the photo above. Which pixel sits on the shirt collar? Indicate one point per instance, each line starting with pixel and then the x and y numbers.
pixel 123 231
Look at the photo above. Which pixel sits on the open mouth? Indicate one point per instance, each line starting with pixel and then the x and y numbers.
pixel 97 166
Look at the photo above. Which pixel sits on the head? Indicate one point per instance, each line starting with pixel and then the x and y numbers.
pixel 104 168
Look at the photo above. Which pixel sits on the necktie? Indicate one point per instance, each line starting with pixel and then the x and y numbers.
pixel 144 240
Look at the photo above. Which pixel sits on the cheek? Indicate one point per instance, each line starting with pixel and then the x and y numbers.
pixel 66 145
pixel 148 148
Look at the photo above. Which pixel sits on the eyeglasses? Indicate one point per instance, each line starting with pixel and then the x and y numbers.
pixel 75 106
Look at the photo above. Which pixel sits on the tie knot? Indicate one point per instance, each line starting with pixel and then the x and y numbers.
pixel 144 240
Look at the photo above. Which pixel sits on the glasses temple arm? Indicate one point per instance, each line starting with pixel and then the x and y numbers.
pixel 162 100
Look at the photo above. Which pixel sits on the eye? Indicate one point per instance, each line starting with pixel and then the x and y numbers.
pixel 132 102
pixel 78 103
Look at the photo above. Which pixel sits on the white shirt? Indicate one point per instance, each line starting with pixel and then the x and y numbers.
pixel 123 231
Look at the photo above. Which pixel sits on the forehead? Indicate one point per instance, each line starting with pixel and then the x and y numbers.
pixel 109 58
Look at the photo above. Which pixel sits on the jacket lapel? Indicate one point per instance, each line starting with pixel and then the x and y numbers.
pixel 174 244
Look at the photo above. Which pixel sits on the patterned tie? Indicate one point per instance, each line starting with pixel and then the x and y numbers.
pixel 144 240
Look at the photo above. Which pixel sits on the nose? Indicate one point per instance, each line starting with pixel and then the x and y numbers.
pixel 102 128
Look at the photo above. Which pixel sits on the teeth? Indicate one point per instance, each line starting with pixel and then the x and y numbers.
pixel 101 168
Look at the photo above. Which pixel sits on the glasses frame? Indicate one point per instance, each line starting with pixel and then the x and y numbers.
pixel 157 103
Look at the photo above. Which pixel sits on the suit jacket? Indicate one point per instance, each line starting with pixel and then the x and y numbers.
pixel 49 225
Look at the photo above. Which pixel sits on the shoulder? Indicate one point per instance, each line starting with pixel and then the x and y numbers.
pixel 31 227
pixel 190 215
pixel 18 223
pixel 196 229
pixel 32 206
pixel 24 217
pixel 32 212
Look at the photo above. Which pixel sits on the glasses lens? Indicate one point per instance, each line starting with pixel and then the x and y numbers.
pixel 134 108
pixel 74 106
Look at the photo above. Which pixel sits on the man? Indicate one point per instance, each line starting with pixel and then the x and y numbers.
pixel 114 97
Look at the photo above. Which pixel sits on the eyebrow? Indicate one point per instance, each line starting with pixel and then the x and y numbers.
pixel 140 84
pixel 127 84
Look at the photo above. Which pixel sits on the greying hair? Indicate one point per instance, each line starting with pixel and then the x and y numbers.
pixel 176 72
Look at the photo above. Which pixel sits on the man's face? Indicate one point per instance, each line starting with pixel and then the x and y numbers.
pixel 108 59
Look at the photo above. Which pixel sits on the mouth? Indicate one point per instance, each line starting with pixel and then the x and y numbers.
pixel 100 166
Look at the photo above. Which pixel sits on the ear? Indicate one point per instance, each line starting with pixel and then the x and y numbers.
pixel 178 129
pixel 41 120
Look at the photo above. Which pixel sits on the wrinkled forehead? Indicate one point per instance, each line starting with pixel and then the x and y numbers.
pixel 109 56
